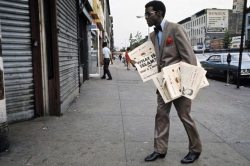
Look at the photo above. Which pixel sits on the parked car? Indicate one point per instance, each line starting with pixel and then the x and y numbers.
pixel 216 65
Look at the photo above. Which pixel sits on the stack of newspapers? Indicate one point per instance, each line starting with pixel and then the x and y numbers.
pixel 174 81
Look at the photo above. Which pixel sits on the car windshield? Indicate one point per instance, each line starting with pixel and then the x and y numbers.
pixel 235 57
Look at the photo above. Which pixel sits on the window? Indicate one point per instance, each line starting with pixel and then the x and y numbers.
pixel 215 58
pixel 248 20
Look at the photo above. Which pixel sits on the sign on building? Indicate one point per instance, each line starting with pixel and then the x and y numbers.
pixel 238 6
pixel 217 20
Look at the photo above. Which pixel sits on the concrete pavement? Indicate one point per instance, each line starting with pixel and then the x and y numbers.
pixel 112 124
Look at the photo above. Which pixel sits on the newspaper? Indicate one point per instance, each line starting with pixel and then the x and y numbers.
pixel 3 116
pixel 191 79
pixel 142 50
pixel 174 81
pixel 204 81
pixel 162 88
pixel 145 60
pixel 180 79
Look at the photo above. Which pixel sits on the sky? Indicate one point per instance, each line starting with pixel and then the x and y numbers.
pixel 124 14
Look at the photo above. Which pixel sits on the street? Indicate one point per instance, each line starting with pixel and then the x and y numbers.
pixel 112 124
pixel 243 82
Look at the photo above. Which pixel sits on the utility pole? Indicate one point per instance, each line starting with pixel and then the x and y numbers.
pixel 241 42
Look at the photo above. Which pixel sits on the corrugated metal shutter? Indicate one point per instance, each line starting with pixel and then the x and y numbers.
pixel 17 57
pixel 68 51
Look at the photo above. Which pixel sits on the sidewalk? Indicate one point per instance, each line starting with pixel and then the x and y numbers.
pixel 112 124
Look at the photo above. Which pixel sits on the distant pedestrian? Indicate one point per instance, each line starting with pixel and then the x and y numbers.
pixel 106 60
pixel 127 58
pixel 172 45
pixel 120 57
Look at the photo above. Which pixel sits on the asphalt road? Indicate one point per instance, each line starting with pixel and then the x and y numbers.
pixel 243 82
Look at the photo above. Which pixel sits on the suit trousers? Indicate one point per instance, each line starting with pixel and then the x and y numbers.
pixel 106 68
pixel 162 124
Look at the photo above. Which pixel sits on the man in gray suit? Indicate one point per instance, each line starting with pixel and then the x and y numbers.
pixel 172 45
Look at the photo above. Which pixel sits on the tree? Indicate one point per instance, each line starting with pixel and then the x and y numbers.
pixel 138 37
pixel 131 40
pixel 135 42
pixel 123 49
pixel 227 40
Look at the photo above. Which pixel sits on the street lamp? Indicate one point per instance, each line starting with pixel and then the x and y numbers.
pixel 139 16
pixel 148 26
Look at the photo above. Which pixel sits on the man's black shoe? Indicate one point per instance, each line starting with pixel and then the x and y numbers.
pixel 103 77
pixel 154 156
pixel 109 79
pixel 190 157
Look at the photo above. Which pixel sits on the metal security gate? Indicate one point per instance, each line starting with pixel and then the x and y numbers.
pixel 17 58
pixel 67 22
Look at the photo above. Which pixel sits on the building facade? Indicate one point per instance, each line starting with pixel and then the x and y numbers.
pixel 45 50
pixel 206 25
pixel 210 24
pixel 247 30
pixel 236 16
pixel 238 6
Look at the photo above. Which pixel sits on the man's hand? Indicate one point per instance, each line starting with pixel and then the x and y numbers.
pixel 132 62
pixel 102 62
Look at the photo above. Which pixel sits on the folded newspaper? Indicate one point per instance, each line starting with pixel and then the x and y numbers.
pixel 183 79
pixel 174 81
pixel 145 58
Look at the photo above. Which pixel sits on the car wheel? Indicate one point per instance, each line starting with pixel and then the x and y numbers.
pixel 232 78
pixel 208 75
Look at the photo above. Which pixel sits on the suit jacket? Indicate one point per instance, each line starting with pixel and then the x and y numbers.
pixel 174 47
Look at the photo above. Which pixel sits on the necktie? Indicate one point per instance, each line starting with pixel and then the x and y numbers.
pixel 157 29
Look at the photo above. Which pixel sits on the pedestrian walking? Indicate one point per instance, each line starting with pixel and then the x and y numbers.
pixel 127 58
pixel 120 57
pixel 106 60
pixel 171 46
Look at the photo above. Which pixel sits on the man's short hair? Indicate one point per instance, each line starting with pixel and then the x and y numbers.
pixel 157 6
pixel 104 44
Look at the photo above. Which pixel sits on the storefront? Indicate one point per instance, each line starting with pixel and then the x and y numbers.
pixel 17 59
pixel 40 56
pixel 67 24
pixel 49 47
pixel 96 31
